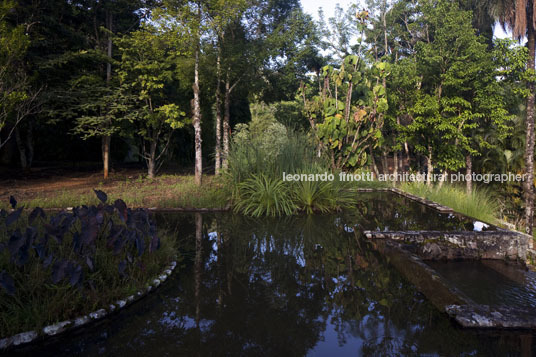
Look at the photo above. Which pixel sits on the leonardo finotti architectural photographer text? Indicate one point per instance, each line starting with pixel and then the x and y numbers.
pixel 406 177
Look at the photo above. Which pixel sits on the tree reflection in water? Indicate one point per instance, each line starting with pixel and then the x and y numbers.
pixel 286 287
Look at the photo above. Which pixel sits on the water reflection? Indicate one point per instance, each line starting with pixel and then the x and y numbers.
pixel 283 287
pixel 387 211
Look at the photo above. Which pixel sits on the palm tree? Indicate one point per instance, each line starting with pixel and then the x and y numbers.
pixel 519 16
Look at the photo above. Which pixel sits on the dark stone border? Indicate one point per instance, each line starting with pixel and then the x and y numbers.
pixel 70 325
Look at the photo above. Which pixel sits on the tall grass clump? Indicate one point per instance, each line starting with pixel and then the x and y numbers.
pixel 257 162
pixel 478 204
pixel 322 196
pixel 264 195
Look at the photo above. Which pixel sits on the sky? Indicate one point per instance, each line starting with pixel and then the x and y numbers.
pixel 311 7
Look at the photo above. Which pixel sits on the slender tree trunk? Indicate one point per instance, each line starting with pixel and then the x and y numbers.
pixel 226 120
pixel 528 183
pixel 429 168
pixel 218 112
pixel 106 140
pixel 105 147
pixel 385 163
pixel 406 149
pixel 151 161
pixel 197 123
pixel 395 164
pixel 384 20
pixel 21 148
pixel 374 166
pixel 468 174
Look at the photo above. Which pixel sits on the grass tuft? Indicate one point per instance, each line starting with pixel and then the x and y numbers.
pixel 478 204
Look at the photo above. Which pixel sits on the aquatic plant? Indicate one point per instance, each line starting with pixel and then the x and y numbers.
pixel 264 195
pixel 72 262
pixel 255 178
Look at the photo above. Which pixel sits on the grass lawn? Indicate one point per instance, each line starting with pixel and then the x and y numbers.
pixel 163 192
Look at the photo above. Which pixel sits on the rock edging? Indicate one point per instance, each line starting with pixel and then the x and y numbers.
pixel 68 325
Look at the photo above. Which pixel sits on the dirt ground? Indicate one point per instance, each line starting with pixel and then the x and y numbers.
pixel 47 181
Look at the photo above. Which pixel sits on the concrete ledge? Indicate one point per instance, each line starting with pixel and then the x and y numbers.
pixel 482 316
pixel 437 245
pixel 448 298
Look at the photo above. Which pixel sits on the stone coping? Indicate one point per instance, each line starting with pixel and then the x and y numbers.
pixel 69 325
pixel 485 317
pixel 434 245
pixel 432 204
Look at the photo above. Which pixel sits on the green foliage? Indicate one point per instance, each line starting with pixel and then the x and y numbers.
pixel 459 93
pixel 264 195
pixel 323 196
pixel 478 204
pixel 347 115
pixel 148 74
pixel 258 162
pixel 14 84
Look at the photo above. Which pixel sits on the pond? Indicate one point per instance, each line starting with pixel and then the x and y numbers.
pixel 303 285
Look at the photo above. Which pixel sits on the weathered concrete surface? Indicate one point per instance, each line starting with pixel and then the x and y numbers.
pixel 483 316
pixel 448 298
pixel 437 245
pixel 425 279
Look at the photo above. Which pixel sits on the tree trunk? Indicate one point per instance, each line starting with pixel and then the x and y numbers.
pixel 406 149
pixel 106 140
pixel 429 167
pixel 22 149
pixel 226 119
pixel 151 160
pixel 468 174
pixel 385 164
pixel 105 146
pixel 374 166
pixel 197 123
pixel 528 183
pixel 395 164
pixel 218 113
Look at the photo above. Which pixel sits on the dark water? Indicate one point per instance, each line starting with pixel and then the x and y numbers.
pixel 387 211
pixel 285 287
pixel 493 283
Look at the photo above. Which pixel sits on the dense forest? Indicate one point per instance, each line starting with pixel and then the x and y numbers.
pixel 386 86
